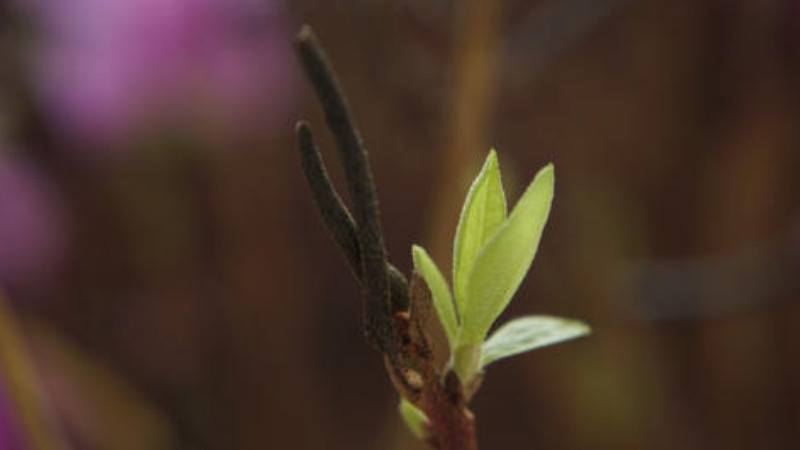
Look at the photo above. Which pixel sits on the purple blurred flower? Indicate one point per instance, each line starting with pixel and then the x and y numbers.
pixel 32 225
pixel 108 69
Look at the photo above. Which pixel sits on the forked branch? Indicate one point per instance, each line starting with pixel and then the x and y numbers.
pixel 371 265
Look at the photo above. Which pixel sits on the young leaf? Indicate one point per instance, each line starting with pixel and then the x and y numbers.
pixel 442 300
pixel 529 333
pixel 505 259
pixel 483 212
pixel 467 362
pixel 415 419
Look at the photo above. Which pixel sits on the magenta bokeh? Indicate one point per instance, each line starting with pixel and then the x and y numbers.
pixel 107 71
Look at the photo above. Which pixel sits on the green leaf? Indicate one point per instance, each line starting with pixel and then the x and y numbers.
pixel 505 259
pixel 415 419
pixel 483 212
pixel 529 333
pixel 467 362
pixel 442 300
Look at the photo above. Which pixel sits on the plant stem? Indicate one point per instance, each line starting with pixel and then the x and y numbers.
pixel 417 377
pixel 452 424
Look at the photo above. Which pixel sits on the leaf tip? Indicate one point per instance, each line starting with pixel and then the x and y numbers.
pixel 548 172
pixel 415 419
pixel 493 163
pixel 417 253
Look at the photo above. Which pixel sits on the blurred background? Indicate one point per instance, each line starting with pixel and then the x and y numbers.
pixel 167 283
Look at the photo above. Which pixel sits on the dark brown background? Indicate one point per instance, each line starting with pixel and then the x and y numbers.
pixel 217 314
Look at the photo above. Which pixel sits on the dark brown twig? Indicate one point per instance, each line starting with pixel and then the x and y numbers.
pixel 330 205
pixel 338 219
pixel 374 268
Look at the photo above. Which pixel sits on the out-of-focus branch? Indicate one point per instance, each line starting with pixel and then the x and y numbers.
pixel 16 368
pixel 553 27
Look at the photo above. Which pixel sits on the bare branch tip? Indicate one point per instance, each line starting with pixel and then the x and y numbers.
pixel 302 129
pixel 304 36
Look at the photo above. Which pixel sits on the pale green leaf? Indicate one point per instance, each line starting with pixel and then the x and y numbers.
pixel 440 291
pixel 467 362
pixel 529 333
pixel 483 212
pixel 505 259
pixel 415 419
